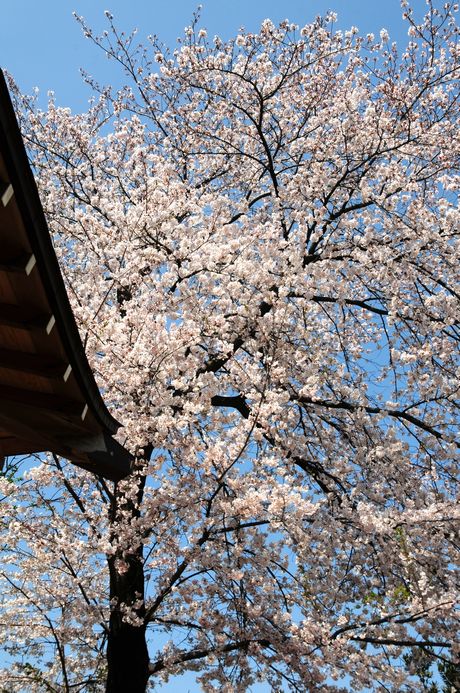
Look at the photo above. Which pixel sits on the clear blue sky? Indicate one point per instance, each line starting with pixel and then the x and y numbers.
pixel 42 45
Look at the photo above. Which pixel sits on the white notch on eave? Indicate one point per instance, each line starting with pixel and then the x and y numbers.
pixel 68 371
pixel 30 265
pixel 7 194
pixel 50 324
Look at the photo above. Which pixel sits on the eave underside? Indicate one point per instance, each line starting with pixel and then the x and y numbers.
pixel 49 400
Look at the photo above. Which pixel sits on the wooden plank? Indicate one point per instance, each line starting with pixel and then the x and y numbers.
pixel 98 454
pixel 24 317
pixel 26 439
pixel 23 263
pixel 38 364
pixel 41 400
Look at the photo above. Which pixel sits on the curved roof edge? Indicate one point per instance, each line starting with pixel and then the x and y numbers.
pixel 26 192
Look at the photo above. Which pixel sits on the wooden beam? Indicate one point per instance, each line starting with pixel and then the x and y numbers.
pixel 23 263
pixel 38 364
pixel 24 317
pixel 100 454
pixel 42 400
pixel 105 456
pixel 29 438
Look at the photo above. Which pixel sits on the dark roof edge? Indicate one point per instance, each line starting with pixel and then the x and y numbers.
pixel 26 192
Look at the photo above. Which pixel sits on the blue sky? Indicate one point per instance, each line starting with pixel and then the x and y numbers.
pixel 42 45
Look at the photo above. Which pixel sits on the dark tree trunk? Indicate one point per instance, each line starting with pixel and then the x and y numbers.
pixel 127 653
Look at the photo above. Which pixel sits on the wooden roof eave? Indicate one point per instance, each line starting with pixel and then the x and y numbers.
pixel 25 190
pixel 88 445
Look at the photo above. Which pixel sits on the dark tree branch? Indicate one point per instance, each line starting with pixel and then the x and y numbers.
pixel 192 655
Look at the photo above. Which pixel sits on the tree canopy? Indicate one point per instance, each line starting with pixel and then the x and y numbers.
pixel 260 239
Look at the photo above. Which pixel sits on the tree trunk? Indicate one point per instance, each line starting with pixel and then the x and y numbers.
pixel 127 653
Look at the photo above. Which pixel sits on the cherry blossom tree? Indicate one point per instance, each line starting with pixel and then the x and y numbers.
pixel 260 239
